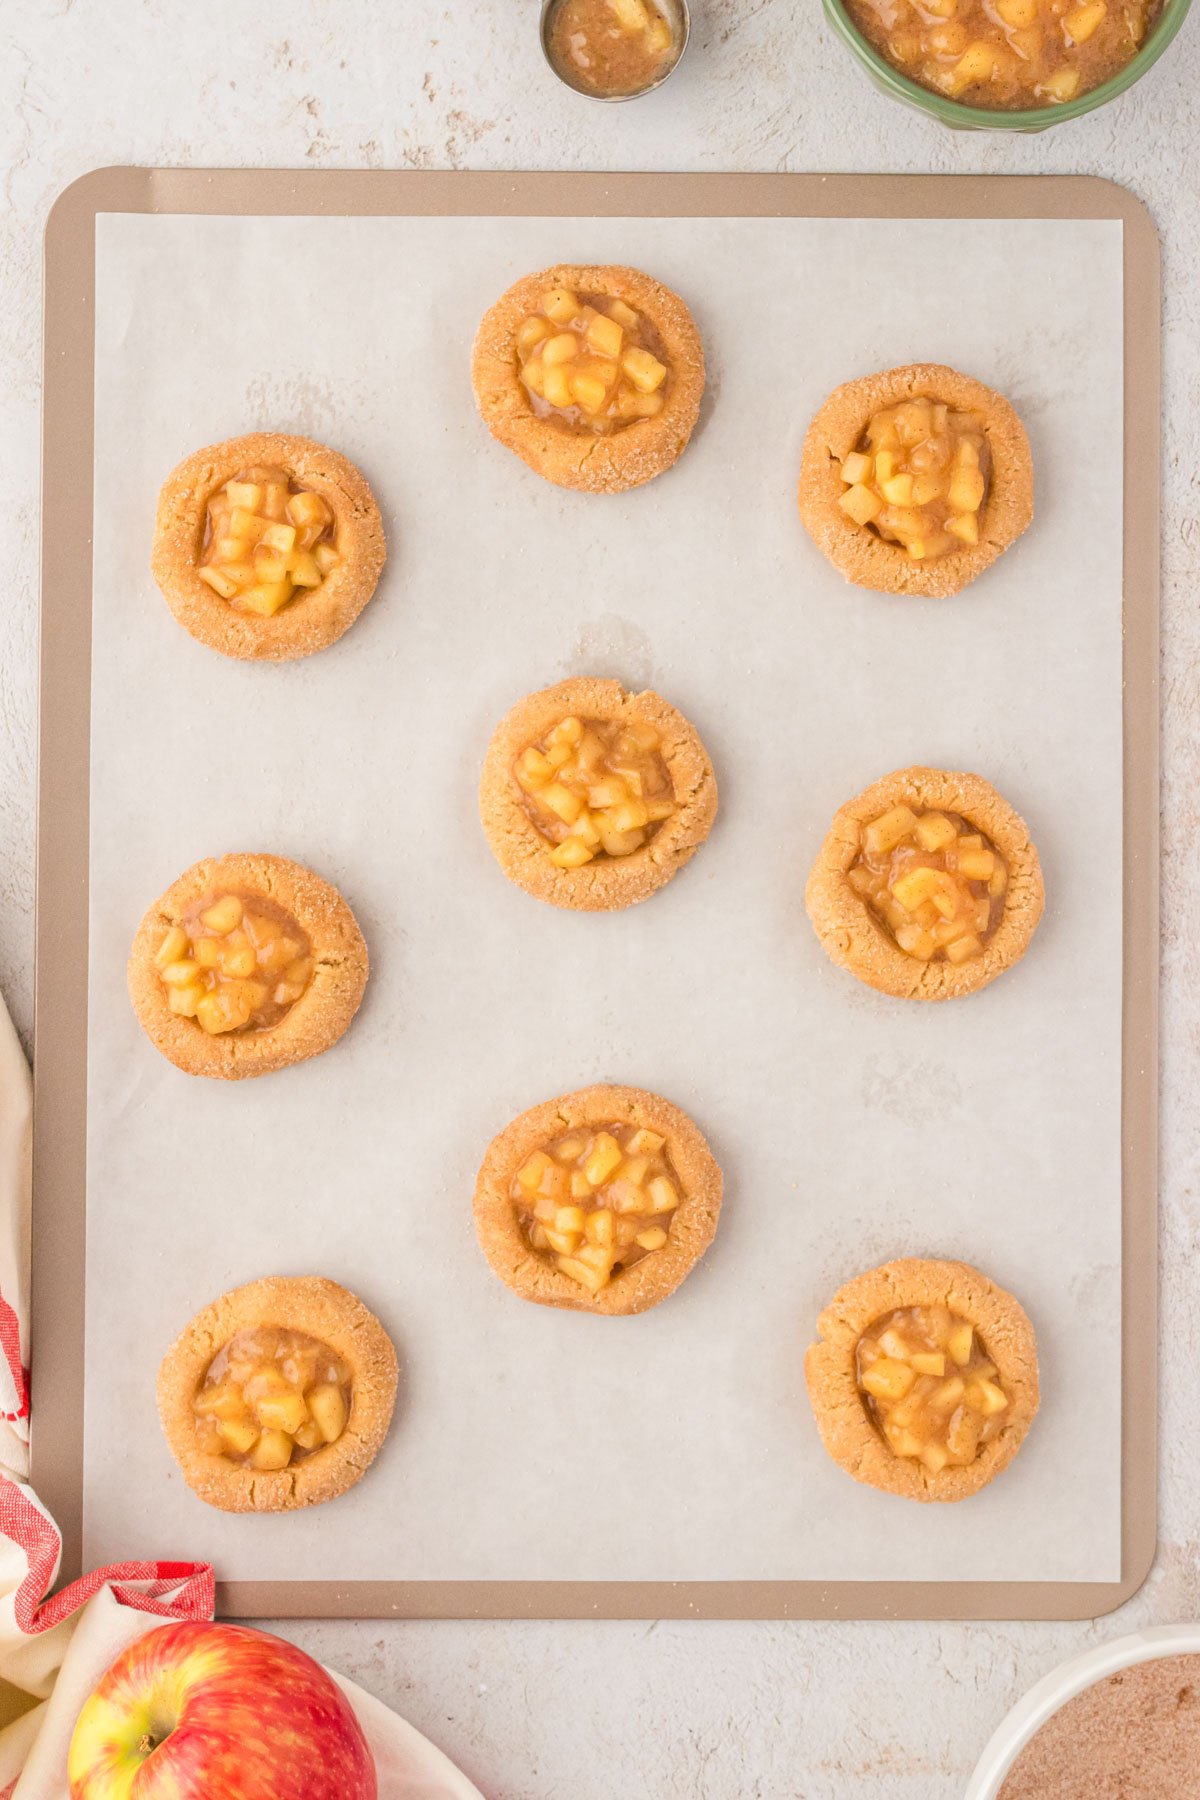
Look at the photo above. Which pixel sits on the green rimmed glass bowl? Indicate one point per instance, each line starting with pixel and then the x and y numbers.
pixel 981 118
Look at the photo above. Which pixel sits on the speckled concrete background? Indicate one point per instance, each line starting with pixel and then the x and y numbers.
pixel 589 1711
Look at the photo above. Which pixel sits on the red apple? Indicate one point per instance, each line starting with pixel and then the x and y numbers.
pixel 218 1712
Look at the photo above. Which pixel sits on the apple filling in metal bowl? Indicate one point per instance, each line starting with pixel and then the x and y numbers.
pixel 613 49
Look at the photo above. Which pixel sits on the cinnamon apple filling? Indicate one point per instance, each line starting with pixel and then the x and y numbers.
pixel 1007 53
pixel 935 882
pixel 235 962
pixel 597 1200
pixel 595 787
pixel 919 477
pixel 612 47
pixel 591 362
pixel 929 1386
pixel 271 1397
pixel 267 540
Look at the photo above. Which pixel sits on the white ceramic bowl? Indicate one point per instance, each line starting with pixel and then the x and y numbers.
pixel 1062 1684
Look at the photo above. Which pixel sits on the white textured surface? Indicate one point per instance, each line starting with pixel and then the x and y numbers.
pixel 533 1711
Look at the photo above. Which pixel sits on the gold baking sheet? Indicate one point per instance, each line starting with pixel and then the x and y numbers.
pixel 59 1129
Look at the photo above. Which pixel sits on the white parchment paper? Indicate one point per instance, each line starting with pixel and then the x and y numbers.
pixel 851 1127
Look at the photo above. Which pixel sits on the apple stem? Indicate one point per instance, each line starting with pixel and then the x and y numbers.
pixel 147 1743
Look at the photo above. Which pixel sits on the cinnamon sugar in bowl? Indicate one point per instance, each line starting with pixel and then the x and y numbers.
pixel 1121 1722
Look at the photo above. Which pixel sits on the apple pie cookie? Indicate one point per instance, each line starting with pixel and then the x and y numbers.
pixel 277 1395
pixel 927 885
pixel 246 964
pixel 593 797
pixel 592 375
pixel 602 1201
pixel 924 1378
pixel 267 546
pixel 914 480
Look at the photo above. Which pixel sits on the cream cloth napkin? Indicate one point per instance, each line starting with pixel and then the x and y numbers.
pixel 52 1652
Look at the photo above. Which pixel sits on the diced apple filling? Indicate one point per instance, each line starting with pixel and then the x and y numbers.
pixel 235 962
pixel 271 1397
pixel 929 1385
pixel 597 1200
pixel 919 478
pixel 595 788
pixel 589 361
pixel 612 46
pixel 267 541
pixel 1007 53
pixel 938 885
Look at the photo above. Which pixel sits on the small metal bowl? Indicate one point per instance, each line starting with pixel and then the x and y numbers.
pixel 680 18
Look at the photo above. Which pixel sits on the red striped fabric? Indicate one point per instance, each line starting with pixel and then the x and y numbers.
pixel 10 1345
pixel 169 1590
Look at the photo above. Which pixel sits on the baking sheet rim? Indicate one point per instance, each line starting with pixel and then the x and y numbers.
pixel 60 1025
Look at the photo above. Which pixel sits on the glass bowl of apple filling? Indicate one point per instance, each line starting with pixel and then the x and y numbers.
pixel 1006 65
